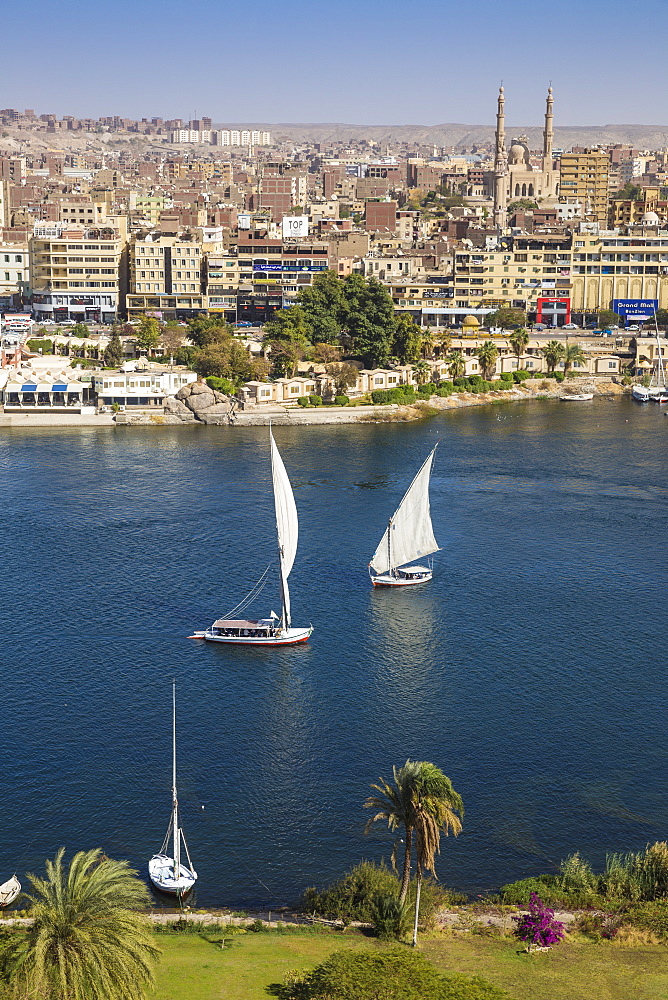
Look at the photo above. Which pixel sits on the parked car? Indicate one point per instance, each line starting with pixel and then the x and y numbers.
pixel 45 322
pixel 67 322
pixel 633 328
pixel 570 326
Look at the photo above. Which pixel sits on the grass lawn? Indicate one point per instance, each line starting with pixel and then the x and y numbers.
pixel 194 968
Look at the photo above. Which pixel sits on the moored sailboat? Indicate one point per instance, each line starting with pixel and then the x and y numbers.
pixel 167 873
pixel 9 891
pixel 409 535
pixel 271 631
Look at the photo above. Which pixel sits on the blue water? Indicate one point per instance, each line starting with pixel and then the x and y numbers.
pixel 532 669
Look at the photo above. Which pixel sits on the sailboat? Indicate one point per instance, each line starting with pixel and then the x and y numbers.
pixel 274 630
pixel 408 536
pixel 170 875
pixel 656 392
pixel 9 890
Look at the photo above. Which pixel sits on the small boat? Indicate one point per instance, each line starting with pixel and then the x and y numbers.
pixel 640 393
pixel 271 631
pixel 657 390
pixel 409 535
pixel 9 890
pixel 167 874
pixel 577 397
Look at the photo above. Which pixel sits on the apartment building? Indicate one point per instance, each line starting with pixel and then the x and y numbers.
pixel 78 272
pixel 584 177
pixel 609 269
pixel 14 275
pixel 166 276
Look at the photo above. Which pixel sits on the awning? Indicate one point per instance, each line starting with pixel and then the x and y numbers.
pixel 27 388
pixel 58 387
pixel 644 364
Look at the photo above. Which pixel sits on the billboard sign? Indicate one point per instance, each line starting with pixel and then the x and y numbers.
pixel 295 226
pixel 635 308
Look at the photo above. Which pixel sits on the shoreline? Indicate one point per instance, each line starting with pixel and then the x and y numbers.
pixel 282 416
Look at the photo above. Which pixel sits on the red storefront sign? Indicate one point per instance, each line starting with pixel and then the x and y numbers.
pixel 541 303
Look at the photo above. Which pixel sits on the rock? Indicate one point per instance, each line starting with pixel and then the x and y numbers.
pixel 177 408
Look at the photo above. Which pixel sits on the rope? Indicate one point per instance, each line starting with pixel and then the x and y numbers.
pixel 251 595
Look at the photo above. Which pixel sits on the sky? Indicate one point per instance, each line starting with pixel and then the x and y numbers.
pixel 377 62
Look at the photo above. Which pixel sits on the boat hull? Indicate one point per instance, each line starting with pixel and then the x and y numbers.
pixel 579 397
pixel 289 637
pixel 159 868
pixel 399 581
pixel 9 891
pixel 640 393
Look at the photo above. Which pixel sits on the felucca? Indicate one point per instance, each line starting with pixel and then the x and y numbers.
pixel 169 874
pixel 409 535
pixel 271 631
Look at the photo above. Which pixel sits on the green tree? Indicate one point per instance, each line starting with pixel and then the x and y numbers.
pixel 573 355
pixel 437 809
pixel 289 325
pixel 206 330
pixel 213 360
pixel 553 352
pixel 80 330
pixel 285 356
pixel 88 940
pixel 519 340
pixel 326 354
pixel 147 333
pixel 394 805
pixel 187 355
pixel 487 354
pixel 662 317
pixel 407 340
pixel 113 352
pixel 324 308
pixel 422 372
pixel 171 338
pixel 370 321
pixel 343 375
pixel 506 318
pixel 456 364
pixel 607 317
pixel 521 204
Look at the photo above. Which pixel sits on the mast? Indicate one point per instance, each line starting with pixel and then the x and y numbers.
pixel 389 546
pixel 287 527
pixel 175 803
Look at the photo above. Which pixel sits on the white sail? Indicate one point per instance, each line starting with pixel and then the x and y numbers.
pixel 287 525
pixel 409 535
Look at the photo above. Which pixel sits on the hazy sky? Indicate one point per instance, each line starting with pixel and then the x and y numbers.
pixel 356 61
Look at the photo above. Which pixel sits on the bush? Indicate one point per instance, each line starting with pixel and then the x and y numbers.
pixel 427 390
pixel 650 916
pixel 220 384
pixel 46 346
pixel 315 400
pixel 538 926
pixel 519 376
pixel 304 401
pixel 341 400
pixel 380 397
pixel 461 382
pixel 393 974
pixel 559 376
pixel 507 376
pixel 390 917
pixel 353 895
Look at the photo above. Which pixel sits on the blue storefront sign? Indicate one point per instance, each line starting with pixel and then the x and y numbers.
pixel 635 308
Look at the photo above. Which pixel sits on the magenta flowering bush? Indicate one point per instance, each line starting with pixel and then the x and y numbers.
pixel 538 926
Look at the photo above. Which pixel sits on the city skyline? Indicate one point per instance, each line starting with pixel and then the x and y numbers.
pixel 360 64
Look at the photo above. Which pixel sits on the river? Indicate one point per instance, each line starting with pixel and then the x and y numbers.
pixel 532 669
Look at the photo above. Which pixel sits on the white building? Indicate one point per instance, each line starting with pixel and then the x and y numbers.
pixel 140 389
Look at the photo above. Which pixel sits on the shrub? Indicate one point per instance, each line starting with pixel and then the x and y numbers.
pixel 599 926
pixel 519 376
pixel 220 384
pixel 257 926
pixel 380 397
pixel 45 345
pixel 538 926
pixel 427 390
pixel 390 917
pixel 315 400
pixel 577 874
pixel 461 383
pixel 342 401
pixel 650 916
pixel 393 974
pixel 559 376
pixel 402 394
pixel 304 401
pixel 507 376
pixel 353 895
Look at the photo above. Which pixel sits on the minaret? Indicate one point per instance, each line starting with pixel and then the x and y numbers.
pixel 500 165
pixel 548 134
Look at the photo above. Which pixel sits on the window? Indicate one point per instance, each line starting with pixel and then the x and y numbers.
pixel 294 389
pixel 612 364
pixel 6 275
pixel 18 258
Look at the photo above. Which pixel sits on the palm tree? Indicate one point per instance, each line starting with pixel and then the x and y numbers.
pixel 394 803
pixel 422 372
pixel 87 941
pixel 573 355
pixel 487 354
pixel 456 364
pixel 553 352
pixel 518 340
pixel 427 344
pixel 438 809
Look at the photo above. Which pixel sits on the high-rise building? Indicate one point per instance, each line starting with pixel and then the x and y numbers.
pixel 584 177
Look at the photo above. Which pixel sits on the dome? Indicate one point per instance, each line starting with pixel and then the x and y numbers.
pixel 470 321
pixel 517 153
pixel 650 219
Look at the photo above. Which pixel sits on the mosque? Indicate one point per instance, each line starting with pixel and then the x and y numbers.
pixel 514 176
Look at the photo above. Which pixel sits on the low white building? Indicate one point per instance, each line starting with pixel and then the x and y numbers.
pixel 139 389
